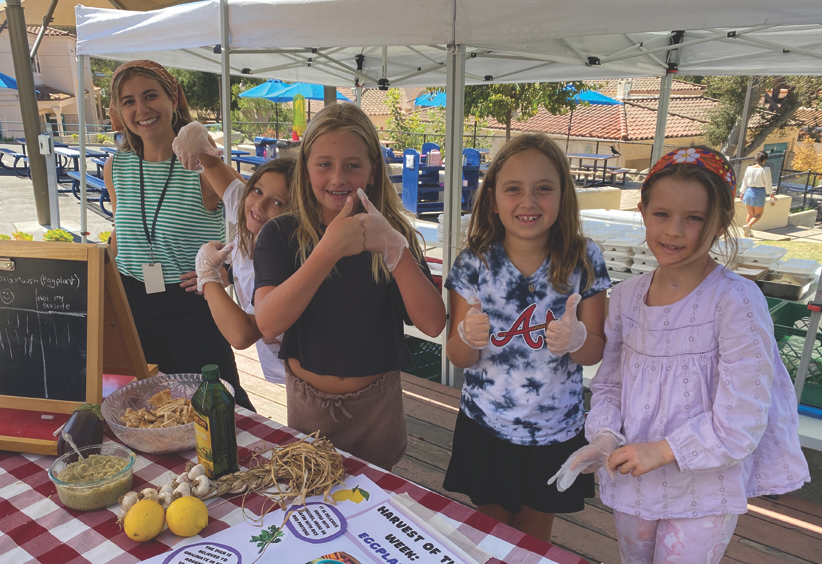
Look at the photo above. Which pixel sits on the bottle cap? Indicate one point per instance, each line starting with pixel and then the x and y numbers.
pixel 211 372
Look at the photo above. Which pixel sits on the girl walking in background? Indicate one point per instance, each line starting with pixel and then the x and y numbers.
pixel 756 184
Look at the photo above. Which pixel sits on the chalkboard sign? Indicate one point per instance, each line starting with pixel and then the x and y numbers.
pixel 43 329
pixel 64 321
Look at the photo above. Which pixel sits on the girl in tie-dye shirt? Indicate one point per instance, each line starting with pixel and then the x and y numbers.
pixel 528 310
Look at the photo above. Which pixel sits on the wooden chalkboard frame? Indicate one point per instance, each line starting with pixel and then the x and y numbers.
pixel 112 347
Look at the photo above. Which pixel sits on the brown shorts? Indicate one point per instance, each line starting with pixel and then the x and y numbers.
pixel 368 423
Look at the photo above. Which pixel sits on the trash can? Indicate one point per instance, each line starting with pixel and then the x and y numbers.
pixel 286 148
pixel 262 142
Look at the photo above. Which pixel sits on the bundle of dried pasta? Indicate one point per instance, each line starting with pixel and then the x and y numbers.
pixel 307 469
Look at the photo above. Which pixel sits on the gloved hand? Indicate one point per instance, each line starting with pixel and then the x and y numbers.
pixel 589 458
pixel 210 258
pixel 475 328
pixel 190 143
pixel 568 334
pixel 380 237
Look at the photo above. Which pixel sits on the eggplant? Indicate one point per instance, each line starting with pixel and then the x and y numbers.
pixel 85 427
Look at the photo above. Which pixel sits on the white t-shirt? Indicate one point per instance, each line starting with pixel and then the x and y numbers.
pixel 243 268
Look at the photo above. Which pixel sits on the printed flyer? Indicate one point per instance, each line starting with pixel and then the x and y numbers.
pixel 365 527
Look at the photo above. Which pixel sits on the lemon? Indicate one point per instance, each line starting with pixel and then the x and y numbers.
pixel 187 516
pixel 144 520
pixel 342 495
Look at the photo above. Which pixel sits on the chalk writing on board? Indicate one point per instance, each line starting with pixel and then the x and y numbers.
pixel 43 327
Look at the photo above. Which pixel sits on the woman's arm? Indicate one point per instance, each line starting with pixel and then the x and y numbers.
pixel 218 174
pixel 112 194
pixel 238 327
pixel 591 312
pixel 422 300
pixel 459 353
pixel 278 307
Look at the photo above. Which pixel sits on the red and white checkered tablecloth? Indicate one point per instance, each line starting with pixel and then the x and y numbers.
pixel 36 527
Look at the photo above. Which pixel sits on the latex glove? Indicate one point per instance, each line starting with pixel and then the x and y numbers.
pixel 568 334
pixel 380 237
pixel 191 141
pixel 475 328
pixel 588 459
pixel 210 258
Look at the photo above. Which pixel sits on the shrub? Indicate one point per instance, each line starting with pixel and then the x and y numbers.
pixel 104 235
pixel 4 237
pixel 58 235
pixel 20 236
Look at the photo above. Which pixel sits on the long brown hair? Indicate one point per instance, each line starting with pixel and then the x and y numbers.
pixel 720 211
pixel 308 211
pixel 567 244
pixel 129 140
pixel 282 165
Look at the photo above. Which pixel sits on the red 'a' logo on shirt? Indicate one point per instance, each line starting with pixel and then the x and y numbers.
pixel 522 326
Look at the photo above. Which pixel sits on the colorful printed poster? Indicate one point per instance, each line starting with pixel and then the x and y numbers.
pixel 364 527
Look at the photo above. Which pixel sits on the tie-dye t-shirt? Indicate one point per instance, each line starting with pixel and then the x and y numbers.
pixel 518 390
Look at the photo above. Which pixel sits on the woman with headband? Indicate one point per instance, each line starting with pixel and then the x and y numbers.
pixel 692 410
pixel 163 214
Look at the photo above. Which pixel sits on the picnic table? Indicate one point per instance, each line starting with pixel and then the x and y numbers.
pixel 69 153
pixel 252 160
pixel 592 157
pixel 36 527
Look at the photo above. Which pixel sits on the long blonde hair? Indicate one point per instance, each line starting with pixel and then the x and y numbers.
pixel 567 244
pixel 129 140
pixel 303 205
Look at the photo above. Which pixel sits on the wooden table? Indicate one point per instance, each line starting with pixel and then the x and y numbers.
pixel 36 527
pixel 596 158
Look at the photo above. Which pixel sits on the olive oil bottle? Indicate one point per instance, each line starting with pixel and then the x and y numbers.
pixel 214 425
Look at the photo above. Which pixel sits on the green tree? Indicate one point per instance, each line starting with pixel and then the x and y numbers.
pixel 257 116
pixel 202 90
pixel 504 102
pixel 101 71
pixel 787 95
pixel 404 129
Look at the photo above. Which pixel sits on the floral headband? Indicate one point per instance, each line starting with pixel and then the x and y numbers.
pixel 116 121
pixel 698 157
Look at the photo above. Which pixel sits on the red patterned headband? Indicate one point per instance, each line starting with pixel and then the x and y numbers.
pixel 697 157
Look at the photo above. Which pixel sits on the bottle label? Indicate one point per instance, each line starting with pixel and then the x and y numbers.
pixel 205 453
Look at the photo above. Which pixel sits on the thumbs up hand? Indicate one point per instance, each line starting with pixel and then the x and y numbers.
pixel 344 236
pixel 568 334
pixel 380 237
pixel 475 328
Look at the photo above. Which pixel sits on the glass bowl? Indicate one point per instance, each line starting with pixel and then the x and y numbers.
pixel 97 493
pixel 136 395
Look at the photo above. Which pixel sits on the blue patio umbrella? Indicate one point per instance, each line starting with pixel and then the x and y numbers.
pixel 7 81
pixel 593 98
pixel 431 100
pixel 265 89
pixel 310 91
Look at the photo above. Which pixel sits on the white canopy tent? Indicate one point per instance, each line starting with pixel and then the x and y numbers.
pixel 378 43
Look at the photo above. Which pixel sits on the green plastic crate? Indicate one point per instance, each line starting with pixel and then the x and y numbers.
pixel 426 359
pixel 791 330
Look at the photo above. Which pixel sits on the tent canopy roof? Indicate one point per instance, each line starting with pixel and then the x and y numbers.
pixel 319 41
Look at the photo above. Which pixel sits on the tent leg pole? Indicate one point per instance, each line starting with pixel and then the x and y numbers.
pixel 81 117
pixel 454 126
pixel 225 96
pixel 662 117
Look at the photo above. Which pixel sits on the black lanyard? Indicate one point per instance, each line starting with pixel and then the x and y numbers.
pixel 150 236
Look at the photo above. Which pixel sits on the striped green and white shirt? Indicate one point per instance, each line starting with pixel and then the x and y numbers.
pixel 183 224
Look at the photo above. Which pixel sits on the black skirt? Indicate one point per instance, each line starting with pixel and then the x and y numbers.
pixel 492 471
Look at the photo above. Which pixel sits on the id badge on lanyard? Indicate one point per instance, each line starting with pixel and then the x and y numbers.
pixel 153 271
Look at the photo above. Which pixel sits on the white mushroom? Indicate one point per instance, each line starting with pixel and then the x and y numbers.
pixel 128 501
pixel 165 498
pixel 201 486
pixel 197 470
pixel 182 490
pixel 148 493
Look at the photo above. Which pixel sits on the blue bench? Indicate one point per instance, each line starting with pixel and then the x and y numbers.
pixel 17 158
pixel 93 184
pixel 100 164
